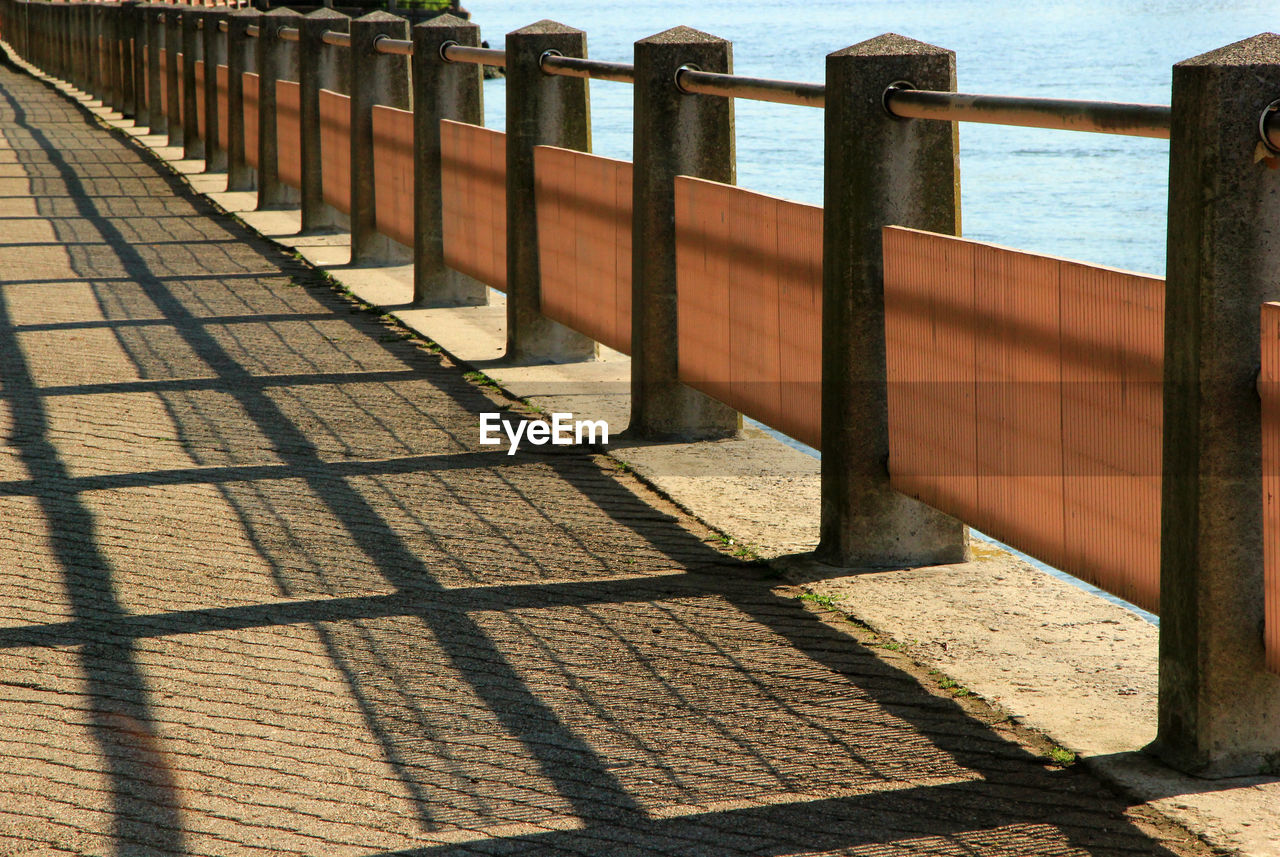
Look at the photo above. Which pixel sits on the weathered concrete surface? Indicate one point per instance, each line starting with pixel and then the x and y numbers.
pixel 263 593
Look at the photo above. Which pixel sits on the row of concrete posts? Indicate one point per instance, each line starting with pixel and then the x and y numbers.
pixel 1219 711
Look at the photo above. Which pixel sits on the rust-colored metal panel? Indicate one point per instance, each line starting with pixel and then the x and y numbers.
pixel 182 90
pixel 1269 389
pixel 289 132
pixel 164 82
pixel 584 233
pixel 200 117
pixel 750 303
pixel 1025 399
pixel 335 149
pixel 474 188
pixel 251 118
pixel 393 173
pixel 224 78
pixel 932 387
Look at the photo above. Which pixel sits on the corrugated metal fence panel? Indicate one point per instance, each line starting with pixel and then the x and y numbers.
pixel 584 242
pixel 1025 399
pixel 251 119
pixel 473 181
pixel 200 117
pixel 164 82
pixel 393 173
pixel 224 82
pixel 750 303
pixel 1269 388
pixel 335 149
pixel 289 132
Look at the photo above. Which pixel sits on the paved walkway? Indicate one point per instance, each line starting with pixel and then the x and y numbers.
pixel 261 591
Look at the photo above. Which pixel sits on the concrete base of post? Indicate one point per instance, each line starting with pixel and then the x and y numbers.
pixel 879 171
pixel 441 90
pixel 1219 709
pixel 541 110
pixel 675 134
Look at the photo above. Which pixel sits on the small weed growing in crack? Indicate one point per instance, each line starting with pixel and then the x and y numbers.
pixel 826 602
pixel 1062 757
pixel 481 380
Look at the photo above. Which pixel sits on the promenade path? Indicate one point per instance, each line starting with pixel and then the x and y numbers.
pixel 261 591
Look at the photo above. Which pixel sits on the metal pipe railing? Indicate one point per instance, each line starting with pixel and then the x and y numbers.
pixel 223 27
pixel 252 31
pixel 1269 125
pixel 388 45
pixel 696 82
pixel 338 40
pixel 621 72
pixel 1099 117
pixel 289 34
pixel 454 52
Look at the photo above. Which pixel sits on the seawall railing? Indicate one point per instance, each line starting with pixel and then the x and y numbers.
pixel 1113 424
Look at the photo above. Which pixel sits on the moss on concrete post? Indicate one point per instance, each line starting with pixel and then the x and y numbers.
pixel 1219 710
pixel 541 110
pixel 879 171
pixel 675 134
pixel 156 121
pixel 242 58
pixel 172 80
pixel 214 51
pixel 375 79
pixel 441 90
pixel 192 52
pixel 277 60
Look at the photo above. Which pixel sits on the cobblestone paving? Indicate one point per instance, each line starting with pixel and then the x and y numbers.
pixel 261 591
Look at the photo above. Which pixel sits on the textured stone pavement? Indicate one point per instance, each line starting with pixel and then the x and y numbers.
pixel 261 592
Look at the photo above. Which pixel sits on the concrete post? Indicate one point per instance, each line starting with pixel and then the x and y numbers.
pixel 675 134
pixel 110 58
pixel 879 171
pixel 1219 710
pixel 277 60
pixel 94 53
pixel 321 66
pixel 375 79
pixel 541 110
pixel 137 105
pixel 242 57
pixel 125 98
pixel 173 45
pixel 441 90
pixel 214 51
pixel 121 61
pixel 192 145
pixel 156 121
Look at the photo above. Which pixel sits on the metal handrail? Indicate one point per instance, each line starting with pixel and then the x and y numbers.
pixel 289 34
pixel 1269 125
pixel 554 63
pixel 224 27
pixel 252 31
pixel 1099 117
pixel 697 82
pixel 454 52
pixel 335 38
pixel 388 45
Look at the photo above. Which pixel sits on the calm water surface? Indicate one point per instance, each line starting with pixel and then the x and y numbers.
pixel 1086 196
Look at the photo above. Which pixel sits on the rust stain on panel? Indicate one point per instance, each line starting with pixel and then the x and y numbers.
pixel 223 75
pixel 289 132
pixel 164 82
pixel 474 188
pixel 1269 389
pixel 335 149
pixel 393 173
pixel 584 242
pixel 1025 399
pixel 251 119
pixel 750 303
